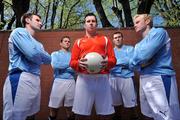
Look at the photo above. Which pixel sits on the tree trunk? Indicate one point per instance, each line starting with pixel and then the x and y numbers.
pixel 47 14
pixel 101 13
pixel 169 10
pixel 61 14
pixel 9 26
pixel 1 8
pixel 36 6
pixel 144 6
pixel 127 12
pixel 2 12
pixel 54 8
pixel 67 19
pixel 20 7
pixel 118 13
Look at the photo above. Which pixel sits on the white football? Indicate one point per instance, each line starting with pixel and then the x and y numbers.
pixel 93 62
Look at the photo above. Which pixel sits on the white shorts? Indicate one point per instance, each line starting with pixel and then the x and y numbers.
pixel 21 99
pixel 159 97
pixel 62 93
pixel 93 90
pixel 123 91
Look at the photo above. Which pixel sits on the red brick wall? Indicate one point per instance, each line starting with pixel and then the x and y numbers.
pixel 50 39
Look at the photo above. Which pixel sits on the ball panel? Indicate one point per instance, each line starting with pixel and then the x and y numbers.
pixel 94 60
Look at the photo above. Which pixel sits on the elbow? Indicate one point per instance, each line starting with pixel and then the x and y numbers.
pixel 34 57
pixel 47 60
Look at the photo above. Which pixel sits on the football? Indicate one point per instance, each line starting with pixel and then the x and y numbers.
pixel 93 62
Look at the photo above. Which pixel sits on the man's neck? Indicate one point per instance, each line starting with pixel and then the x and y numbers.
pixel 146 31
pixel 118 47
pixel 65 50
pixel 31 31
pixel 91 35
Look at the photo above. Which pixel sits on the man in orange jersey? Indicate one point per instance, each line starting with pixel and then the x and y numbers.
pixel 92 89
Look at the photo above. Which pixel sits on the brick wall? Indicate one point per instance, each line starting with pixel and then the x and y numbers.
pixel 50 39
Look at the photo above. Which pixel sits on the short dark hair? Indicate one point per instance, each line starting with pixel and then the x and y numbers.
pixel 118 32
pixel 90 14
pixel 27 15
pixel 64 37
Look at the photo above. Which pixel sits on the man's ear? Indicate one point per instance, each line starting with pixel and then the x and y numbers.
pixel 60 43
pixel 27 20
pixel 84 26
pixel 147 21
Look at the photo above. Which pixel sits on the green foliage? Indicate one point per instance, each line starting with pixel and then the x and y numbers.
pixel 8 13
pixel 73 17
pixel 169 11
pixel 112 16
pixel 1 25
pixel 172 17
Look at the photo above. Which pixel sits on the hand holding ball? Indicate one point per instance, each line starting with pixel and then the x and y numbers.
pixel 94 62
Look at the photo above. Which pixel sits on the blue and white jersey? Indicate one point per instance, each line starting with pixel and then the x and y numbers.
pixel 26 53
pixel 122 56
pixel 155 46
pixel 60 64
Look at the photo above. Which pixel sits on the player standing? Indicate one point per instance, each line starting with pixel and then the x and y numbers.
pixel 158 88
pixel 92 89
pixel 121 81
pixel 62 93
pixel 22 92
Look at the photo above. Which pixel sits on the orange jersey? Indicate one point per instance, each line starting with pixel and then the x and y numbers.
pixel 96 44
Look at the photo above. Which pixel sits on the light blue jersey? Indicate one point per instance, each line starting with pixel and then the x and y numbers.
pixel 26 53
pixel 157 48
pixel 60 63
pixel 122 56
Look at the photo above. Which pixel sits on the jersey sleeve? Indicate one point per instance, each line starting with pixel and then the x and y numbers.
pixel 145 51
pixel 46 58
pixel 23 42
pixel 124 61
pixel 75 56
pixel 111 55
pixel 57 63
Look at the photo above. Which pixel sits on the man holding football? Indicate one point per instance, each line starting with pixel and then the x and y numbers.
pixel 92 89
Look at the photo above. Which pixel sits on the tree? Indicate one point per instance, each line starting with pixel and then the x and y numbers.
pixel 118 12
pixel 2 22
pixel 169 10
pixel 20 7
pixel 127 12
pixel 11 22
pixel 69 13
pixel 47 13
pixel 61 14
pixel 58 14
pixel 36 4
pixel 101 13
pixel 54 8
pixel 144 6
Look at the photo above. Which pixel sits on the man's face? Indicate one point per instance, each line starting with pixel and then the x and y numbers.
pixel 90 23
pixel 118 39
pixel 34 22
pixel 65 44
pixel 140 24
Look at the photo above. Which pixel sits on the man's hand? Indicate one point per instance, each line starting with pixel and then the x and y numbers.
pixel 147 63
pixel 82 63
pixel 104 63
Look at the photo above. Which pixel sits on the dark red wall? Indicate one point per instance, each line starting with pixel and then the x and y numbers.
pixel 50 39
